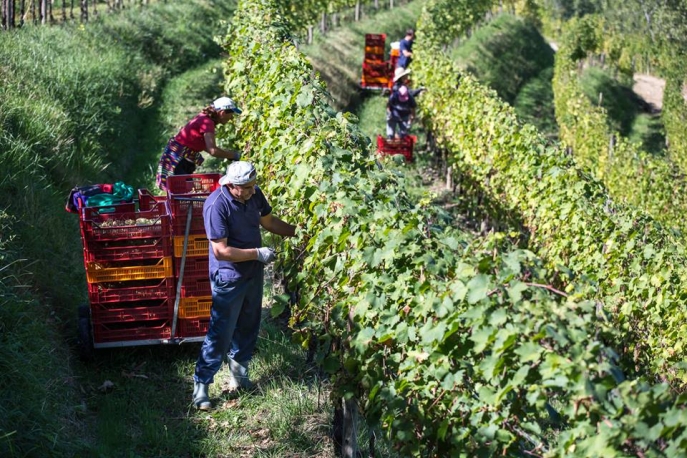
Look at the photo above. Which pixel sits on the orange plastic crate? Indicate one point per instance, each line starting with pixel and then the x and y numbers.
pixel 195 307
pixel 97 272
pixel 378 50
pixel 198 245
pixel 380 80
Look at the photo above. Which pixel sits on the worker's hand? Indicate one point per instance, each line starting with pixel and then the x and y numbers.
pixel 237 153
pixel 266 254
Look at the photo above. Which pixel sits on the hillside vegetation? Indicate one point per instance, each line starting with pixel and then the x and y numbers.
pixel 561 336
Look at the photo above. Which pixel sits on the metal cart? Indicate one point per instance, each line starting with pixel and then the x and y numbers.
pixel 147 268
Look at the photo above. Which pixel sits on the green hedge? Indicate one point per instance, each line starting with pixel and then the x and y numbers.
pixel 644 180
pixel 452 345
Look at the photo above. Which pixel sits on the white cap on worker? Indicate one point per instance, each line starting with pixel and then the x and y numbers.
pixel 239 173
pixel 224 104
pixel 400 72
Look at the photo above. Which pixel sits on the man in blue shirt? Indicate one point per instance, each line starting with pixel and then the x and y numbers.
pixel 406 50
pixel 233 215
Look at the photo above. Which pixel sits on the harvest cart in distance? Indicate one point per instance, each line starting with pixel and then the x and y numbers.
pixel 378 72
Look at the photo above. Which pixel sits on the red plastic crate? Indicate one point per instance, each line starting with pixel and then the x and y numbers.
pixel 192 327
pixel 132 331
pixel 195 267
pixel 122 312
pixel 197 183
pixel 147 201
pixel 377 84
pixel 376 68
pixel 371 38
pixel 120 225
pixel 402 146
pixel 127 250
pixel 179 211
pixel 132 290
pixel 197 223
pixel 196 286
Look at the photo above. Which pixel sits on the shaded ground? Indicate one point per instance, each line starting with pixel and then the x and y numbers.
pixel 650 89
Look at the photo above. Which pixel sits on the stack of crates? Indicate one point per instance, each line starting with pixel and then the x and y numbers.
pixel 184 192
pixel 128 262
pixel 390 147
pixel 394 54
pixel 376 71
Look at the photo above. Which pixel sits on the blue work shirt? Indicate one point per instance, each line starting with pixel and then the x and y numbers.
pixel 239 223
pixel 403 60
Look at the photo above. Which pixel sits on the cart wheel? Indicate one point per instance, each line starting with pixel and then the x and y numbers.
pixel 85 336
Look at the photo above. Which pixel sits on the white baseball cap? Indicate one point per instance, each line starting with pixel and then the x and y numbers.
pixel 239 173
pixel 225 103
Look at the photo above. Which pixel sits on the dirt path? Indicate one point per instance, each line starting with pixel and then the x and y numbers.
pixel 650 89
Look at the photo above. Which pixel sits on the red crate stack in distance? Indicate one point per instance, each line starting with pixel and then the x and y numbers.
pixel 376 70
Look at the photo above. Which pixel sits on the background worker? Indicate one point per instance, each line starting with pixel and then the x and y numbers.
pixel 233 215
pixel 400 108
pixel 406 50
pixel 182 153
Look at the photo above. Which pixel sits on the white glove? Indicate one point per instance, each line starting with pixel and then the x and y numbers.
pixel 266 254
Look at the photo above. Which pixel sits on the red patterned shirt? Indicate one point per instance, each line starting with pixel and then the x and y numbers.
pixel 192 134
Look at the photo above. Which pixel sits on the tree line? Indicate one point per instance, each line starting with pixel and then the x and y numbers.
pixel 18 13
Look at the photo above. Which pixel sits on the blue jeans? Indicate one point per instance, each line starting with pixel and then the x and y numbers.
pixel 234 324
pixel 401 125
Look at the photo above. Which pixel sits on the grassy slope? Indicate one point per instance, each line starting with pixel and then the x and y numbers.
pixel 71 100
pixel 627 113
pixel 509 55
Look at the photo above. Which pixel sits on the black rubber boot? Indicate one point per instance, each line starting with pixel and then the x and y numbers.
pixel 200 396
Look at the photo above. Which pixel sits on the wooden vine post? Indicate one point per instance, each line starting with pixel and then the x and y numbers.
pixel 84 10
pixel 357 11
pixel 349 444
